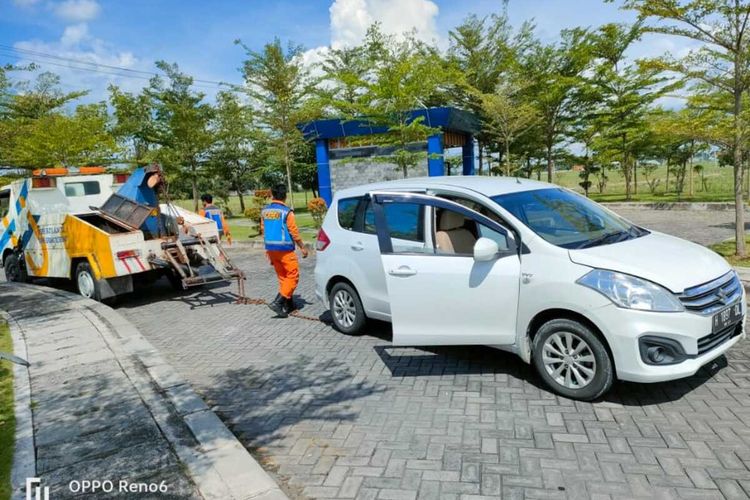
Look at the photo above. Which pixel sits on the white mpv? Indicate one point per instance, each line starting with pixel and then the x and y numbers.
pixel 531 268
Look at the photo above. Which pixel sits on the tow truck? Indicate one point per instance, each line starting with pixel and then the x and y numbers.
pixel 104 231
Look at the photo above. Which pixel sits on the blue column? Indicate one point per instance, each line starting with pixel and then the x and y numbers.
pixel 468 155
pixel 435 159
pixel 324 170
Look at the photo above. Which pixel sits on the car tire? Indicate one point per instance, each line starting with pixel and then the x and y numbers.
pixel 86 283
pixel 15 269
pixel 346 309
pixel 572 360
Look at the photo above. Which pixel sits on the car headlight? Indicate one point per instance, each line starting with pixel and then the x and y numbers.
pixel 631 292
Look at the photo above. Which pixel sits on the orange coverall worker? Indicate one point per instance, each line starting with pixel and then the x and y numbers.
pixel 215 214
pixel 280 235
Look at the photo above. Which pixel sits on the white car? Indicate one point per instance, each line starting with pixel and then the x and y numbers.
pixel 531 268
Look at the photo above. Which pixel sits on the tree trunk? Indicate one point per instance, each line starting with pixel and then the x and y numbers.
pixel 549 162
pixel 238 187
pixel 635 177
pixel 288 162
pixel 479 151
pixel 194 183
pixel 690 173
pixel 507 158
pixel 739 202
pixel 666 184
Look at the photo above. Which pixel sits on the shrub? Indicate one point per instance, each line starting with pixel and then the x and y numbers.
pixel 252 212
pixel 263 193
pixel 317 208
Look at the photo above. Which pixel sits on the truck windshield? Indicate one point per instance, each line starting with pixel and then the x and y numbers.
pixel 566 219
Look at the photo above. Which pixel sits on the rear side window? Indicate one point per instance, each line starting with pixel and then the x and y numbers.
pixel 84 188
pixel 405 221
pixel 347 210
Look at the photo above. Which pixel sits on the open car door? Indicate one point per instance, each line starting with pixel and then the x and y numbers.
pixel 460 285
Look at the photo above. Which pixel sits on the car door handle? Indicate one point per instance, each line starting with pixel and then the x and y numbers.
pixel 402 271
pixel 357 247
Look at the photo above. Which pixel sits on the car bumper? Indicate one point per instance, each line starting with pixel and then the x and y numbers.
pixel 628 326
pixel 320 286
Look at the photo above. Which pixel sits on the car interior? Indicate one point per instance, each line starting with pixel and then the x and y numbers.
pixel 455 234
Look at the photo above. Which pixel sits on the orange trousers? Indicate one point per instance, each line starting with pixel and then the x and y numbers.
pixel 287 270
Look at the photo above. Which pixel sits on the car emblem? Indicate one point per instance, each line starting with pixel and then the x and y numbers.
pixel 722 295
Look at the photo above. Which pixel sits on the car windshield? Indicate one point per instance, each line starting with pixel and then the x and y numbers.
pixel 566 219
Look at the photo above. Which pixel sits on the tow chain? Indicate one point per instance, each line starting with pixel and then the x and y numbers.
pixel 258 302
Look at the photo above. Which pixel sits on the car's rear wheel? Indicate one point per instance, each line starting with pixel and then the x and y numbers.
pixel 572 360
pixel 346 309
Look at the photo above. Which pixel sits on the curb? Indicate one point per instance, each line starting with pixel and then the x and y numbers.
pixel 215 460
pixel 24 455
pixel 672 205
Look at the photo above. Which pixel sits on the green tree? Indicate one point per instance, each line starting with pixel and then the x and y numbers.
pixel 181 125
pixel 239 147
pixel 721 63
pixel 281 87
pixel 556 73
pixel 57 138
pixel 133 126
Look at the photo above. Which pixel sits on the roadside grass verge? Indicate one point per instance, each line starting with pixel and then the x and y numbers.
pixel 7 415
pixel 726 250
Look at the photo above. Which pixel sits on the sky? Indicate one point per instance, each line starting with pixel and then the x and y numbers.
pixel 121 40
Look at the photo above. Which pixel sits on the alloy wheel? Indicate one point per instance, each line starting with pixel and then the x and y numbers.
pixel 569 360
pixel 344 308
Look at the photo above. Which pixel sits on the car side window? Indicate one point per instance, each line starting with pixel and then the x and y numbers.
pixel 347 212
pixel 456 234
pixel 405 221
pixel 4 203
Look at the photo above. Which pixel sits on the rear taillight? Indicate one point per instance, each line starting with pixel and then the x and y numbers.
pixel 323 240
pixel 126 254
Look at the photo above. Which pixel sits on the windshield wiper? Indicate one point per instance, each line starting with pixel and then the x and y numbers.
pixel 599 240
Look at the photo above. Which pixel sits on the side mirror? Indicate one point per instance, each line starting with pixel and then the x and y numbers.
pixel 485 250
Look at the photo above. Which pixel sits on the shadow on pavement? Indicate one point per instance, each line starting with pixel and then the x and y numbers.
pixel 269 399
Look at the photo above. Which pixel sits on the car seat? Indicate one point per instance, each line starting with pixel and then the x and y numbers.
pixel 452 237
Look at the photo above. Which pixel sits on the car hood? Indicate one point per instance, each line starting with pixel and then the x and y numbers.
pixel 672 262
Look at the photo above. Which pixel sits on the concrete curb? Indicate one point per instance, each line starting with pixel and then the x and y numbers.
pixel 215 460
pixel 672 205
pixel 24 455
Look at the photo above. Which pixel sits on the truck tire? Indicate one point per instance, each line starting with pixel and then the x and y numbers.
pixel 15 269
pixel 86 283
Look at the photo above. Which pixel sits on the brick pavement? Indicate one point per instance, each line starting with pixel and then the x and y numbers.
pixel 335 416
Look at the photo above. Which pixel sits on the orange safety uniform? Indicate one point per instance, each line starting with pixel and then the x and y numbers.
pixel 285 261
pixel 217 215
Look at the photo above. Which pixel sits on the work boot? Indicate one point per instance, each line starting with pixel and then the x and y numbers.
pixel 289 303
pixel 279 306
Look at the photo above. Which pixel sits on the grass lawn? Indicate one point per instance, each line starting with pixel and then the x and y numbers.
pixel 7 415
pixel 726 250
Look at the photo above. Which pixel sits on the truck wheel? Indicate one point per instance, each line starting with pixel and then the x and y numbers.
pixel 572 360
pixel 346 309
pixel 15 270
pixel 86 282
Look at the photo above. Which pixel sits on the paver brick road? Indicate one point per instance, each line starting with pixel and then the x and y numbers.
pixel 337 416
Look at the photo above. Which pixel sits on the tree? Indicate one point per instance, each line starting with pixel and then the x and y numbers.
pixel 279 85
pixel 134 125
pixel 508 117
pixel 57 139
pixel 483 50
pixel 239 146
pixel 556 72
pixel 721 63
pixel 181 124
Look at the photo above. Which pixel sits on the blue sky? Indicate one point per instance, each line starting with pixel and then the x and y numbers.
pixel 199 35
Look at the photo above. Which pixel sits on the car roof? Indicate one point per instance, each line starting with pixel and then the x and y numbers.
pixel 488 186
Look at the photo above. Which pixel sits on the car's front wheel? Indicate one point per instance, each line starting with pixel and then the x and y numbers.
pixel 15 270
pixel 346 309
pixel 572 360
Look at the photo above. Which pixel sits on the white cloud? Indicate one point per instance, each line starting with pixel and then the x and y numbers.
pixel 79 59
pixel 74 34
pixel 77 10
pixel 351 18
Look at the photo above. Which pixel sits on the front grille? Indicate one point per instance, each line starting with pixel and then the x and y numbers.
pixel 709 342
pixel 712 296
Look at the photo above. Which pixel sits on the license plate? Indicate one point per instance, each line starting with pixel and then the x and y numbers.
pixel 726 317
